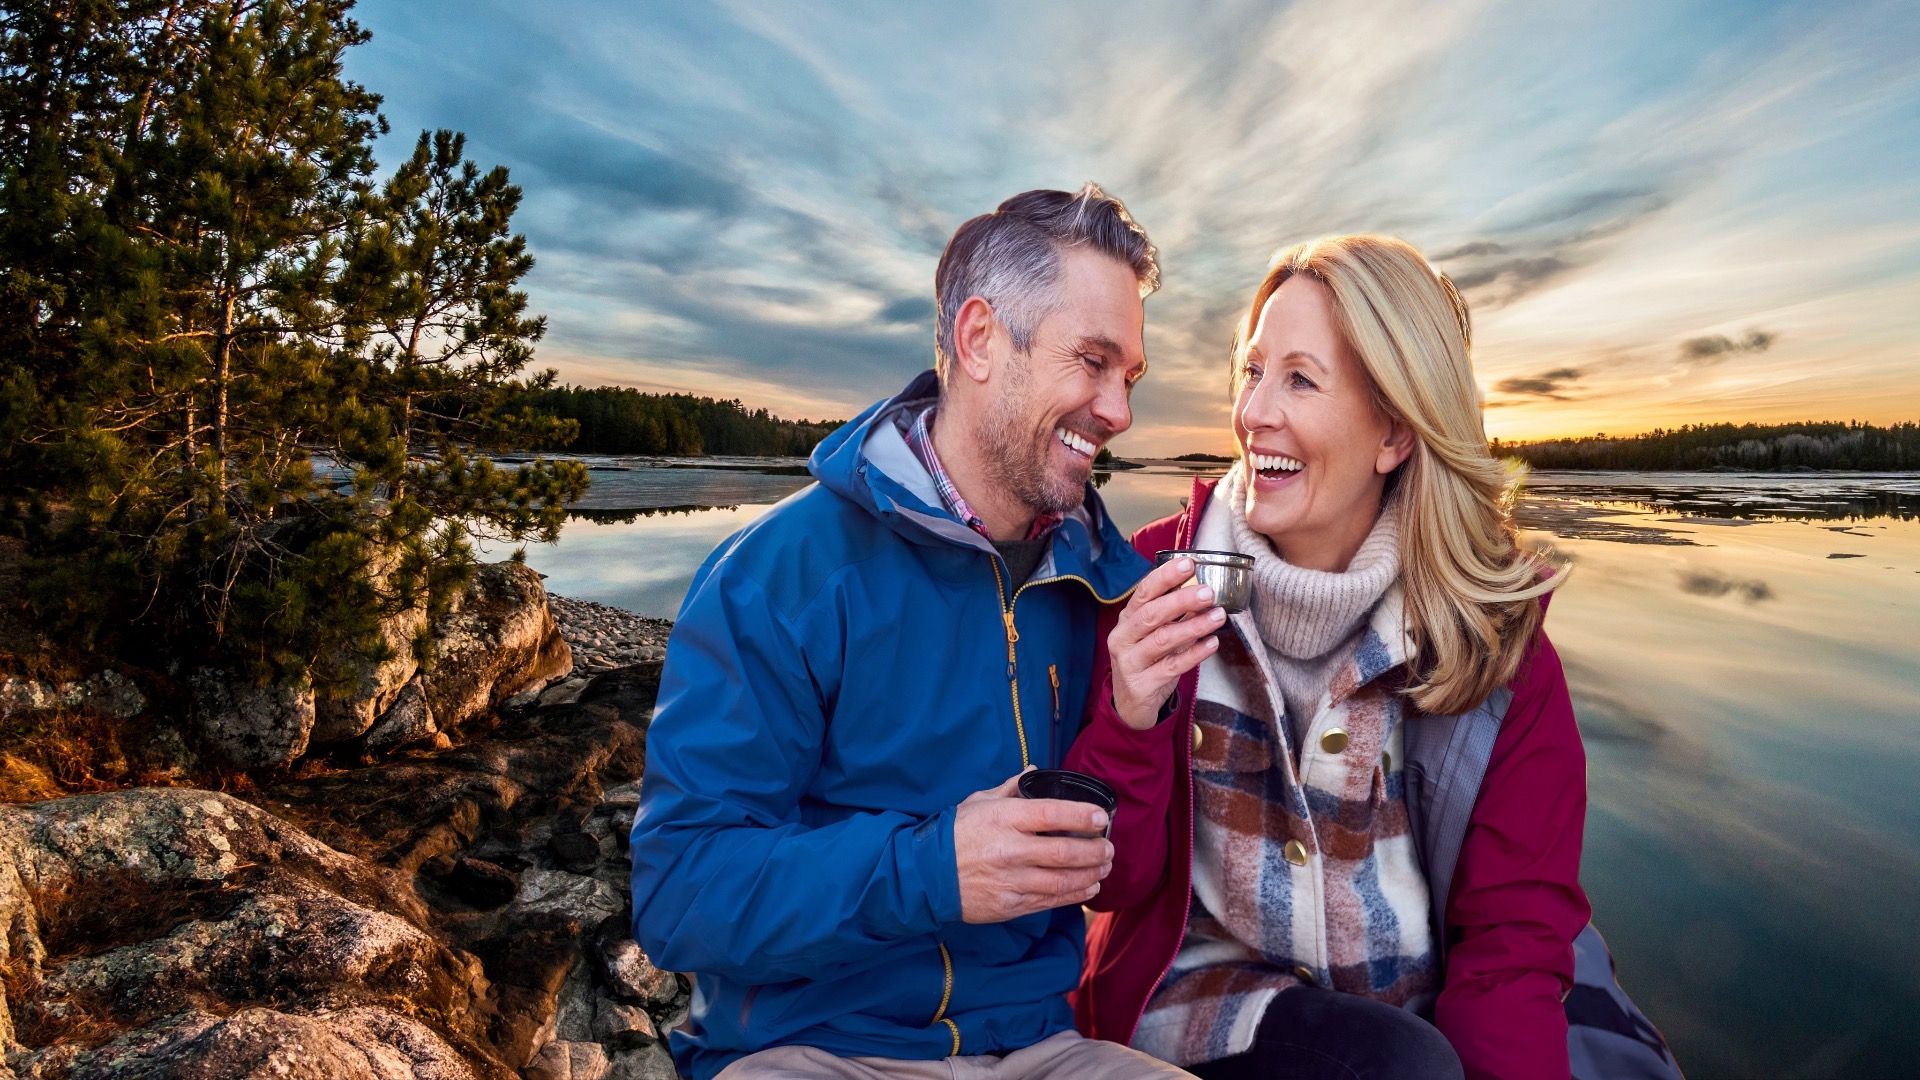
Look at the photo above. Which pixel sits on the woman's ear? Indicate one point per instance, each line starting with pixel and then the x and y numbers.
pixel 1395 449
pixel 973 329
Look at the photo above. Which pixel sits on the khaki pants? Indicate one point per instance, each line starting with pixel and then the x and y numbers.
pixel 1066 1056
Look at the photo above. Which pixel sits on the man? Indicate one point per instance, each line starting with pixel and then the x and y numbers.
pixel 829 833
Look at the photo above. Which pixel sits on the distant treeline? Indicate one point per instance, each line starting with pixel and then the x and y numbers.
pixel 622 420
pixel 1758 447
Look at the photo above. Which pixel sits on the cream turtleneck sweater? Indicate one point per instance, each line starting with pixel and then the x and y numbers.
pixel 1305 616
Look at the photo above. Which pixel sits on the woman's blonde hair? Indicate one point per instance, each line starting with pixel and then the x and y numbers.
pixel 1471 591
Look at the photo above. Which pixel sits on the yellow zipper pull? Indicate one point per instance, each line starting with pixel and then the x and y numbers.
pixel 1012 634
pixel 1053 676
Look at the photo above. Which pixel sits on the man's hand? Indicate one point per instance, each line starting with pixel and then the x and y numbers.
pixel 1007 870
pixel 1165 630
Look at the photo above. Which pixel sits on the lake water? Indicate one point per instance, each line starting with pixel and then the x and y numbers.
pixel 1744 656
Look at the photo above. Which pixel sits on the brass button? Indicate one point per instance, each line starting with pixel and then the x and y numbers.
pixel 1197 738
pixel 1296 853
pixel 1304 974
pixel 1333 741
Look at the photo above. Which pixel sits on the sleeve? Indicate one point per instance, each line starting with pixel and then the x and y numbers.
pixel 1517 904
pixel 1139 766
pixel 727 880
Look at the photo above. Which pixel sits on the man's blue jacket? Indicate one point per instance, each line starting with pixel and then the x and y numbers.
pixel 843 672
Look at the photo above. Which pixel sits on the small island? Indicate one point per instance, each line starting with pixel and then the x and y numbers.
pixel 1805 446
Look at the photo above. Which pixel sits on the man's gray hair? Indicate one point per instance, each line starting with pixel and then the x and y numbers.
pixel 1011 259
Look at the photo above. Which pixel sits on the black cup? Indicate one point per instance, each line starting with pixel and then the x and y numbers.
pixel 1073 787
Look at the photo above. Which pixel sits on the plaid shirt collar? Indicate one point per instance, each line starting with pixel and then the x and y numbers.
pixel 920 440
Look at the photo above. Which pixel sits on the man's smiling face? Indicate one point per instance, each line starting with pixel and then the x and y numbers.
pixel 1068 395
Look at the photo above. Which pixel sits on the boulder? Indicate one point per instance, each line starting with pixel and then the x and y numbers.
pixel 500 640
pixel 376 683
pixel 251 727
pixel 563 691
pixel 235 909
pixel 575 898
pixel 619 1026
pixel 409 720
pixel 647 1063
pixel 629 975
pixel 570 1061
pixel 312 941
pixel 358 1043
pixel 107 693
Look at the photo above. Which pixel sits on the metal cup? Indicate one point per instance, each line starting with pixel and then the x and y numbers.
pixel 1228 573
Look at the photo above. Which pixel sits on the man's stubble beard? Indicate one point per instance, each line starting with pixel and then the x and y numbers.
pixel 1016 460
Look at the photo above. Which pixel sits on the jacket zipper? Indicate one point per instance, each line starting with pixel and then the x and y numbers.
pixel 946 997
pixel 1013 663
pixel 1053 676
pixel 1013 637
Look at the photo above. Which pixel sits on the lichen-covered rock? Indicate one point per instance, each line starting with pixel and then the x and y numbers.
pixel 252 727
pixel 357 1043
pixel 376 685
pixel 623 1027
pixel 630 976
pixel 440 915
pixel 577 898
pixel 162 839
pixel 130 909
pixel 409 720
pixel 107 693
pixel 499 641
pixel 312 941
pixel 570 1061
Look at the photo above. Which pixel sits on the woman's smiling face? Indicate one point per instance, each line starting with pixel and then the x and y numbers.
pixel 1318 448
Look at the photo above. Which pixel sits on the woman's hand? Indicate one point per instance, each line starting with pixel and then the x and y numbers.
pixel 1164 632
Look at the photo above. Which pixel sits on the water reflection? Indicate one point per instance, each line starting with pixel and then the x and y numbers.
pixel 1711 583
pixel 633 514
pixel 1759 497
pixel 1752 822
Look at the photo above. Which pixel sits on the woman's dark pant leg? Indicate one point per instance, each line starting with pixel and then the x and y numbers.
pixel 1312 1034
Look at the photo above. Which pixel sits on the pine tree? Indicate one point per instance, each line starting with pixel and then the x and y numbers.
pixel 437 333
pixel 192 305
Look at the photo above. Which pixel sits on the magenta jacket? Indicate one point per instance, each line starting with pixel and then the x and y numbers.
pixel 1516 902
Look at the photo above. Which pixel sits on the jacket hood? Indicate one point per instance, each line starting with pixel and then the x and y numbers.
pixel 868 463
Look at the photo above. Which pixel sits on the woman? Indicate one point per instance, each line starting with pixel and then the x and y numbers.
pixel 1279 906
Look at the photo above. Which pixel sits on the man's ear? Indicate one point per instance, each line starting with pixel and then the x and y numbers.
pixel 973 330
pixel 1395 448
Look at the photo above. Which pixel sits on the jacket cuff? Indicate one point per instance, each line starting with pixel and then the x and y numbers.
pixel 939 868
pixel 1107 715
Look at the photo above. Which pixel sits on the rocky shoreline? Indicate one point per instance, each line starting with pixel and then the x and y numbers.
pixel 604 637
pixel 449 911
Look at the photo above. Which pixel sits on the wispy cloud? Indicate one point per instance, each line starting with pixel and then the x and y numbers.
pixel 749 195
pixel 1714 348
pixel 1551 385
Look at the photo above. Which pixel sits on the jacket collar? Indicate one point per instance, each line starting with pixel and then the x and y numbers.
pixel 867 461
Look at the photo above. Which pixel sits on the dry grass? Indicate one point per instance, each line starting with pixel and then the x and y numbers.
pixel 62 752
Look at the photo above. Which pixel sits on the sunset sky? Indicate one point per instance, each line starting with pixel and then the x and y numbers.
pixel 1661 212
